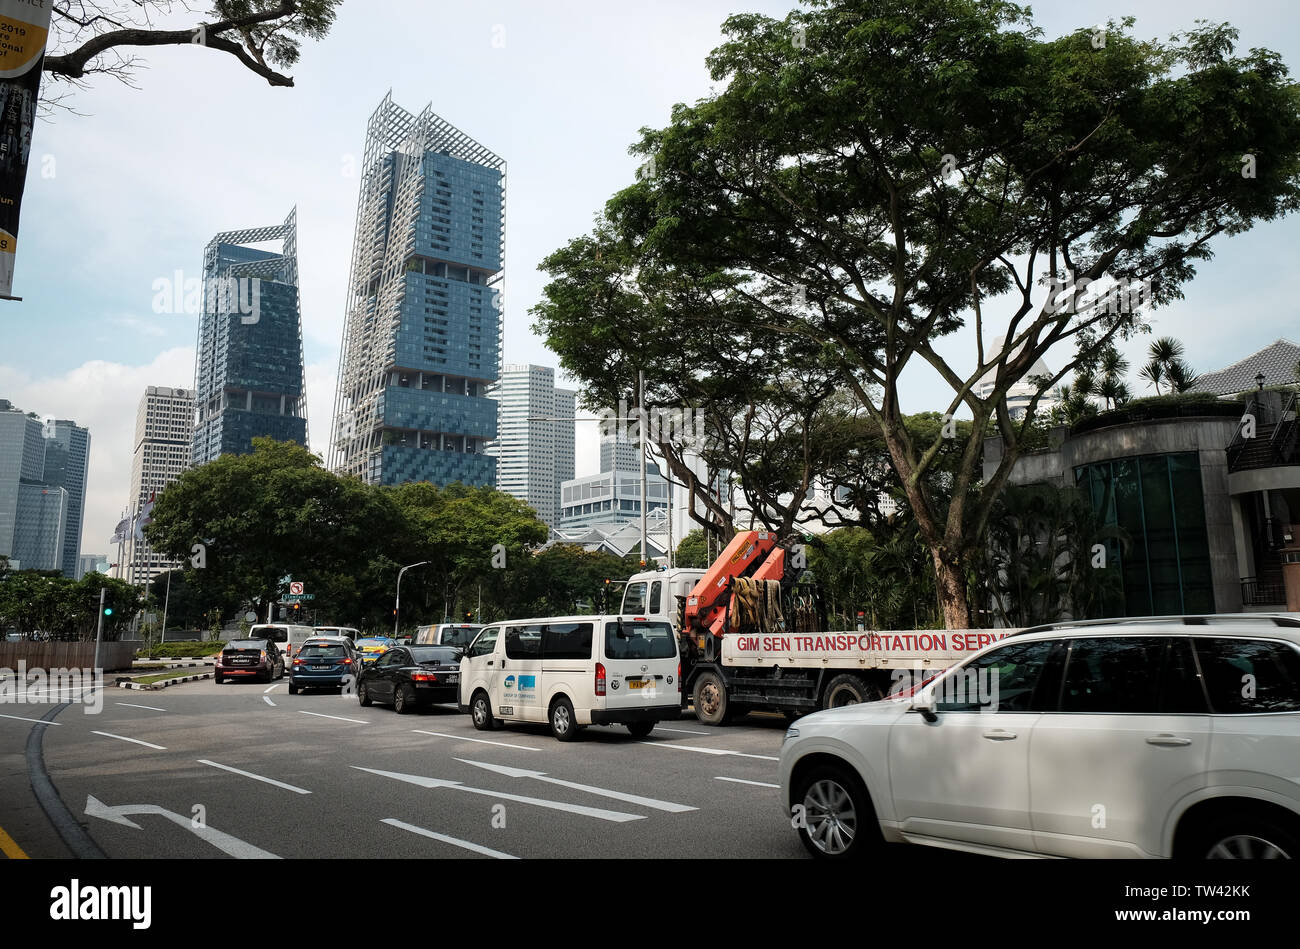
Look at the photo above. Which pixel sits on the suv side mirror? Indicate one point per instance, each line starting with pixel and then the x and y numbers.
pixel 924 703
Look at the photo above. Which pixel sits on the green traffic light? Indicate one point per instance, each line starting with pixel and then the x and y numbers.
pixel 108 611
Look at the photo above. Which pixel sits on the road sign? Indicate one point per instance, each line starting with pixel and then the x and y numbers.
pixel 295 588
pixel 299 598
pixel 250 617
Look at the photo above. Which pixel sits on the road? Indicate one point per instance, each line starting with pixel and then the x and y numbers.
pixel 246 770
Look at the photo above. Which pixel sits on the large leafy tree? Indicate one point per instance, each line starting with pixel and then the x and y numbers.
pixel 90 37
pixel 878 174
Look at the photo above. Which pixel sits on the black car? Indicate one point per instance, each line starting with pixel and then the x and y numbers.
pixel 410 677
pixel 258 659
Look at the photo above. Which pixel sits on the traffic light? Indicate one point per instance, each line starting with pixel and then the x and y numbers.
pixel 108 611
pixel 643 563
pixel 297 607
pixel 607 581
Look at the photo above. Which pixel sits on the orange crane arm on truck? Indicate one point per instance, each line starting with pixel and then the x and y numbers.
pixel 753 554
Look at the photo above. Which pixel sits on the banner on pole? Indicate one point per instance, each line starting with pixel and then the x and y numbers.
pixel 24 30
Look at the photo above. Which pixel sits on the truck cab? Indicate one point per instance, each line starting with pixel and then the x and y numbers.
pixel 655 593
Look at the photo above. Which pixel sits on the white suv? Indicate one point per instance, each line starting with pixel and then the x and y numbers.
pixel 1156 737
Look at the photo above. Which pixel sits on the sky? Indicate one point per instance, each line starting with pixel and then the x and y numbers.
pixel 129 189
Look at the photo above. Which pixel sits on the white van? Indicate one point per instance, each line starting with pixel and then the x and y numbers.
pixel 286 635
pixel 447 634
pixel 573 671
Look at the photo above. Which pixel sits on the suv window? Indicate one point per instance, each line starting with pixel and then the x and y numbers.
pixel 1004 680
pixel 486 642
pixel 639 641
pixel 567 641
pixel 1245 676
pixel 524 642
pixel 1133 674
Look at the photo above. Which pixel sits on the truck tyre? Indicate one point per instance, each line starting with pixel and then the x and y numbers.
pixel 833 814
pixel 848 690
pixel 640 729
pixel 711 699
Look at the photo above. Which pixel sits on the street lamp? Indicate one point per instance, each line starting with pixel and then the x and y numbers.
pixel 1259 381
pixel 397 606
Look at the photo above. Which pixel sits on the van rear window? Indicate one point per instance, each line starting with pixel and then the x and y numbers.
pixel 639 641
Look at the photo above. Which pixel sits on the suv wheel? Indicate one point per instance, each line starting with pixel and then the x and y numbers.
pixel 833 814
pixel 1245 837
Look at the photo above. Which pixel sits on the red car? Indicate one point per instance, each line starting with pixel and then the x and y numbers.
pixel 250 658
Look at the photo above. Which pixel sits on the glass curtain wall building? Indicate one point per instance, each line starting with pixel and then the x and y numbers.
pixel 67 459
pixel 249 379
pixel 422 329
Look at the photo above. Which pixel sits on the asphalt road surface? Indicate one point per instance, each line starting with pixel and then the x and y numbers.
pixel 246 770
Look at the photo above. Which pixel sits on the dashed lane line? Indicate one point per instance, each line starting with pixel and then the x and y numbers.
pixel 481 741
pixel 476 848
pixel 134 741
pixel 255 777
pixel 708 751
pixel 758 784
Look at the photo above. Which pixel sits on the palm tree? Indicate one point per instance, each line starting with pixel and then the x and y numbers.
pixel 1167 365
pixel 1154 373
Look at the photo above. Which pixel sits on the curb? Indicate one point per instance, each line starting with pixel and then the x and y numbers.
pixel 125 683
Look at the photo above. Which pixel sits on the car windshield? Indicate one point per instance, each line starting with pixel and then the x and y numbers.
pixel 322 651
pixel 639 641
pixel 424 654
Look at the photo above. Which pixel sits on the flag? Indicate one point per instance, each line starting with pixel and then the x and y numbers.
pixel 24 28
pixel 119 532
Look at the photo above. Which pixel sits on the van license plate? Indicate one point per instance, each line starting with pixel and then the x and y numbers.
pixel 637 683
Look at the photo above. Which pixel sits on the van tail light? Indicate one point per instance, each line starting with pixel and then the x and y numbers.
pixel 600 678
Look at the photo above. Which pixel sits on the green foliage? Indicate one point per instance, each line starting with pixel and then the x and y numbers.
pixel 888 575
pixel 692 551
pixel 49 604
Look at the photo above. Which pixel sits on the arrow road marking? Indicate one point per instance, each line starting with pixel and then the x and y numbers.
pixel 134 741
pixel 481 741
pixel 255 777
pixel 616 816
pixel 760 784
pixel 267 700
pixel 271 689
pixel 219 839
pixel 600 792
pixel 486 851
pixel 149 707
pixel 708 751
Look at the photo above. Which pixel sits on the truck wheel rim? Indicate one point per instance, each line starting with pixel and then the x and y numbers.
pixel 561 719
pixel 710 697
pixel 480 713
pixel 831 817
pixel 843 696
pixel 1246 847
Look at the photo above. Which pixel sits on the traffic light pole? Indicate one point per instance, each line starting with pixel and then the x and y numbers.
pixel 99 627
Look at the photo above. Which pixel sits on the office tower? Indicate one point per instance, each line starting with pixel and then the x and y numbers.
pixel 163 428
pixel 33 514
pixel 249 372
pixel 92 563
pixel 534 443
pixel 422 327
pixel 67 459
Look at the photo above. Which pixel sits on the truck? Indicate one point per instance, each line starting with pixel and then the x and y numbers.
pixel 753 636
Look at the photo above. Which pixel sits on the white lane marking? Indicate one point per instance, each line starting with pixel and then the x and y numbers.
pixel 599 792
pixel 481 741
pixel 267 700
pixel 255 777
pixel 149 707
pixel 137 741
pixel 599 813
pixel 19 718
pixel 271 689
pixel 477 848
pixel 708 751
pixel 219 839
pixel 683 731
pixel 759 784
pixel 337 718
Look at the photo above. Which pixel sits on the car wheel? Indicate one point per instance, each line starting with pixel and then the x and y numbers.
pixel 281 675
pixel 847 690
pixel 640 729
pixel 480 709
pixel 293 689
pixel 1245 837
pixel 833 814
pixel 218 678
pixel 404 700
pixel 564 725
pixel 710 699
pixel 363 694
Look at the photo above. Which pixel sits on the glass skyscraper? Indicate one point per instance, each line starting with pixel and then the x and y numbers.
pixel 249 379
pixel 422 330
pixel 67 456
pixel 42 490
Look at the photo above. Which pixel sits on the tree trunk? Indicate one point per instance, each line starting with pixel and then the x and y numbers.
pixel 950 581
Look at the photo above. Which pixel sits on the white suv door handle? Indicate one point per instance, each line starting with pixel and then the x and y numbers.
pixel 1168 740
pixel 999 734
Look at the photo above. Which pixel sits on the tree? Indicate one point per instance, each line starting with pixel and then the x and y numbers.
pixel 90 36
pixel 908 168
pixel 693 551
pixel 1166 364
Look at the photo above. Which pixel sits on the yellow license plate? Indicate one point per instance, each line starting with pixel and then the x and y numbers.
pixel 638 683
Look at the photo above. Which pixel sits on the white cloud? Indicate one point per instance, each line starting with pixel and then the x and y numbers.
pixel 102 396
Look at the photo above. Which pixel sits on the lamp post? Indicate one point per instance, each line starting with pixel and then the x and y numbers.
pixel 397 606
pixel 1259 381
